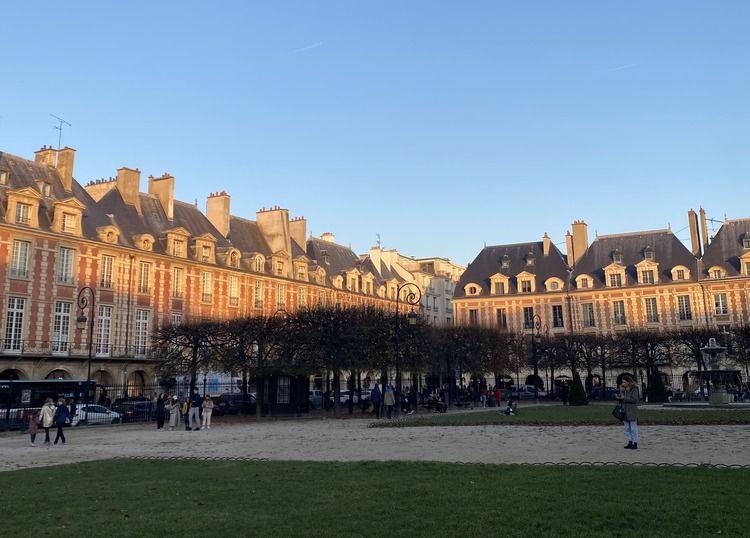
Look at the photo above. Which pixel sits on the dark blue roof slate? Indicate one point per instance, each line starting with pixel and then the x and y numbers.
pixel 490 260
pixel 726 247
pixel 668 252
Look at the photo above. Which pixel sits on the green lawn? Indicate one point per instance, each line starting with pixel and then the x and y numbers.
pixel 558 415
pixel 139 498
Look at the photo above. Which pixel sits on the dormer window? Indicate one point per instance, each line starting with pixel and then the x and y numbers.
pixel 472 290
pixel 746 242
pixel 44 188
pixel 326 259
pixel 23 212
pixel 301 272
pixel 205 253
pixel 648 254
pixel 68 223
pixel 178 248
pixel 234 259
pixel 259 264
pixel 505 262
pixel 584 282
pixel 530 260
pixel 3 177
pixel 279 268
pixel 617 257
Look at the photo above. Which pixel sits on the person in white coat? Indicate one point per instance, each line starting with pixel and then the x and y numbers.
pixel 47 417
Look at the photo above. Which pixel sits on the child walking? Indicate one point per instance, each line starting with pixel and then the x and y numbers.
pixel 33 426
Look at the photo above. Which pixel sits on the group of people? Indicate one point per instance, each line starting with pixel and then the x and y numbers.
pixel 50 416
pixel 195 410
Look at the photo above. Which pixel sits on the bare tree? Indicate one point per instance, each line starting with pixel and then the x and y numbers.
pixel 186 349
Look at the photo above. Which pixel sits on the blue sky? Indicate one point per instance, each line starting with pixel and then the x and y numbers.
pixel 439 126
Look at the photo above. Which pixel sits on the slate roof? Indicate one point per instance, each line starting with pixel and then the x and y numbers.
pixel 153 220
pixel 668 251
pixel 725 248
pixel 340 258
pixel 25 173
pixel 489 263
pixel 246 236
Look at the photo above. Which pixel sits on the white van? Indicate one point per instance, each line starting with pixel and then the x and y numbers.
pixel 526 391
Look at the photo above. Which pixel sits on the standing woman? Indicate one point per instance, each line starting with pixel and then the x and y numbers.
pixel 629 398
pixel 47 417
pixel 160 401
pixel 62 414
pixel 174 413
pixel 208 408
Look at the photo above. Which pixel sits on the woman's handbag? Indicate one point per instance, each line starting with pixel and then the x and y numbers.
pixel 619 412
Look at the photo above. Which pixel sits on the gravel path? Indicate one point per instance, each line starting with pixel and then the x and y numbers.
pixel 324 439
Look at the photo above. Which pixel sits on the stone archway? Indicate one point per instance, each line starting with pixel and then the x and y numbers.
pixel 11 374
pixel 136 384
pixel 58 373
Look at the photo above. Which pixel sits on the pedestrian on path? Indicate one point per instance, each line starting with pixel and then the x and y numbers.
pixel 33 426
pixel 62 417
pixel 629 398
pixel 208 409
pixel 47 418
pixel 389 400
pixel 195 410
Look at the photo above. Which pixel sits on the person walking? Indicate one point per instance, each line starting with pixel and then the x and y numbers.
pixel 62 416
pixel 389 400
pixel 195 410
pixel 565 393
pixel 185 410
pixel 173 406
pixel 629 398
pixel 47 418
pixel 208 409
pixel 376 397
pixel 161 400
pixel 33 426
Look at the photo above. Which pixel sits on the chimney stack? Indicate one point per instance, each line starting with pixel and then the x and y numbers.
pixel 545 244
pixel 217 211
pixel 298 231
pixel 578 243
pixel 328 237
pixel 46 156
pixel 695 240
pixel 274 225
pixel 65 158
pixel 163 189
pixel 128 183
pixel 704 229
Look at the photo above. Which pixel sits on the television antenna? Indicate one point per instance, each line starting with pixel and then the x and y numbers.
pixel 59 128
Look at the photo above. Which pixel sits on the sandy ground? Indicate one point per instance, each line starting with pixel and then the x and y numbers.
pixel 327 439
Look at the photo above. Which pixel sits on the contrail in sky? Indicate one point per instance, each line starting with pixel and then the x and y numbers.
pixel 616 68
pixel 306 48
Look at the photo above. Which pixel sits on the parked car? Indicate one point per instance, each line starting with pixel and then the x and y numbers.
pixel 95 414
pixel 130 399
pixel 526 391
pixel 234 404
pixel 344 397
pixel 316 398
pixel 610 393
pixel 138 411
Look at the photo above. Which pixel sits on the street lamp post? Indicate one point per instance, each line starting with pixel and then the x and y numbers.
pixel 413 296
pixel 86 299
pixel 535 335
